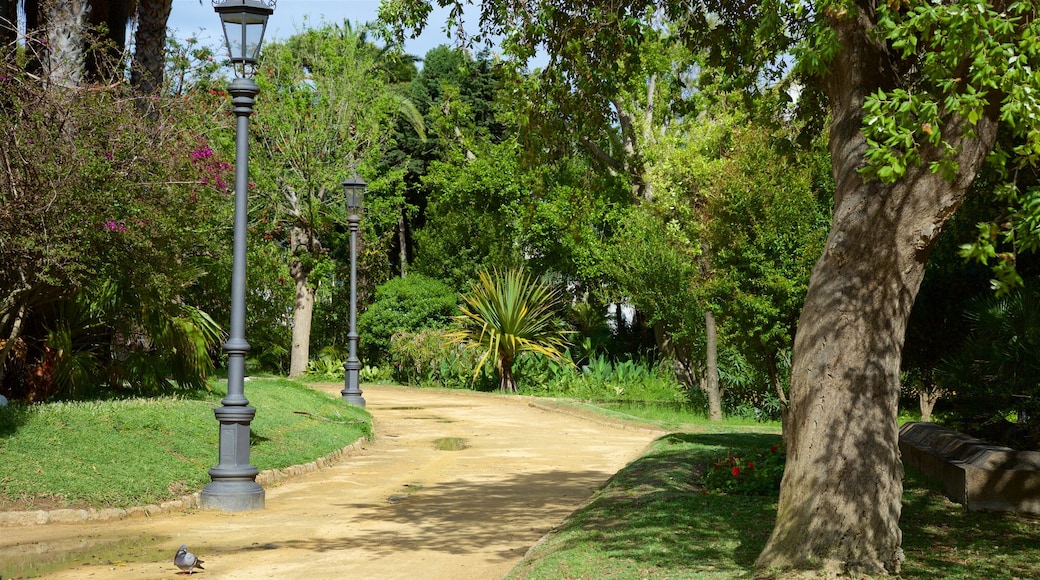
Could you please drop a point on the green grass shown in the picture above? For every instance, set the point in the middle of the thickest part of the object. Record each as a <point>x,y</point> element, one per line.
<point>140,451</point>
<point>654,520</point>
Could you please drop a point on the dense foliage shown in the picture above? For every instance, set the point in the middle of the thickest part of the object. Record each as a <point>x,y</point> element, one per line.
<point>404,305</point>
<point>110,225</point>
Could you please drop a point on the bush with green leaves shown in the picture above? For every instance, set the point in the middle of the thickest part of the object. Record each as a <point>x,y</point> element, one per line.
<point>426,359</point>
<point>749,473</point>
<point>601,380</point>
<point>111,222</point>
<point>409,304</point>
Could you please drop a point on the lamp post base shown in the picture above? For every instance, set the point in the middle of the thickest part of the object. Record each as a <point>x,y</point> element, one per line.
<point>354,399</point>
<point>232,496</point>
<point>351,392</point>
<point>234,487</point>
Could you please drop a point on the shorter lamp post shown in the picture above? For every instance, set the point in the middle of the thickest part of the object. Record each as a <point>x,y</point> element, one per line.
<point>233,486</point>
<point>354,191</point>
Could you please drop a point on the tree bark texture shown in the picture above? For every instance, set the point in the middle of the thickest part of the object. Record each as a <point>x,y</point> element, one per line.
<point>303,312</point>
<point>840,498</point>
<point>302,242</point>
<point>66,25</point>
<point>150,45</point>
<point>711,379</point>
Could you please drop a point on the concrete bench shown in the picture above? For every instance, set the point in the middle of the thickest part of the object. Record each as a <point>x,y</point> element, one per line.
<point>972,472</point>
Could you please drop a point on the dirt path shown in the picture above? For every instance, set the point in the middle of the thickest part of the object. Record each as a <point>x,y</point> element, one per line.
<point>456,485</point>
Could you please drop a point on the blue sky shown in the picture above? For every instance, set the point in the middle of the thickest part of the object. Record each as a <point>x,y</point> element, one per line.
<point>194,18</point>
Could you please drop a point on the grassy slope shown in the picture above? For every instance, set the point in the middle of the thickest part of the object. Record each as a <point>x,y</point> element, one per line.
<point>654,520</point>
<point>140,451</point>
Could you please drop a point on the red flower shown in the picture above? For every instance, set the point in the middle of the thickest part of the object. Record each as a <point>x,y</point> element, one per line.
<point>750,464</point>
<point>773,449</point>
<point>736,471</point>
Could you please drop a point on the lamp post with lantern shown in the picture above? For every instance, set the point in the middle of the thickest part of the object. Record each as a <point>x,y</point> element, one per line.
<point>233,486</point>
<point>354,191</point>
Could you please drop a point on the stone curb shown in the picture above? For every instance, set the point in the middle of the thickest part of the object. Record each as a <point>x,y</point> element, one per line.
<point>269,477</point>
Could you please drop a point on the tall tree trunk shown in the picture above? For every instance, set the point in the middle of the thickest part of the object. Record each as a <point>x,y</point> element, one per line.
<point>402,240</point>
<point>710,382</point>
<point>146,75</point>
<point>303,312</point>
<point>64,63</point>
<point>840,498</point>
<point>302,241</point>
<point>711,379</point>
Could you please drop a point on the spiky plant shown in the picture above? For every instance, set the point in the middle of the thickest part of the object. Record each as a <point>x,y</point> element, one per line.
<point>506,314</point>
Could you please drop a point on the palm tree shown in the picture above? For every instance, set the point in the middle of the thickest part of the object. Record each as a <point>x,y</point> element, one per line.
<point>507,314</point>
<point>150,42</point>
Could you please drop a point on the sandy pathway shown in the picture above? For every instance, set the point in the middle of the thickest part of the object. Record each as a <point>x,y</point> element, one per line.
<point>406,505</point>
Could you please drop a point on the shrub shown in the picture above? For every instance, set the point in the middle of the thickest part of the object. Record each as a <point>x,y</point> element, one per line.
<point>426,359</point>
<point>508,314</point>
<point>750,474</point>
<point>603,380</point>
<point>408,304</point>
<point>328,366</point>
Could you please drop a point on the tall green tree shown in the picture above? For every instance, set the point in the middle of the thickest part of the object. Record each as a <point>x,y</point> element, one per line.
<point>473,215</point>
<point>915,93</point>
<point>327,110</point>
<point>769,213</point>
<point>455,93</point>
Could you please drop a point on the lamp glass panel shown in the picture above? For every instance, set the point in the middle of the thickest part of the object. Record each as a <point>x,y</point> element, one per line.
<point>244,33</point>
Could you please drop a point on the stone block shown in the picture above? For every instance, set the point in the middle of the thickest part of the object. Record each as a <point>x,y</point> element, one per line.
<point>972,472</point>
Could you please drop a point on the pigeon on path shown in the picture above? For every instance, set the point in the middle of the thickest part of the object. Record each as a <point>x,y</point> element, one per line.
<point>187,561</point>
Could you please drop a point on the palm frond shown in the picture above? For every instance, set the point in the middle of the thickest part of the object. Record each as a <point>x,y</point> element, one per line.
<point>509,313</point>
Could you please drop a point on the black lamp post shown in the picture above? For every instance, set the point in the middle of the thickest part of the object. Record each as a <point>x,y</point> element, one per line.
<point>233,486</point>
<point>354,191</point>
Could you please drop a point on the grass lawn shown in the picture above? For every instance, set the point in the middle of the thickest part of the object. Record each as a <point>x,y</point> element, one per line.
<point>654,520</point>
<point>140,451</point>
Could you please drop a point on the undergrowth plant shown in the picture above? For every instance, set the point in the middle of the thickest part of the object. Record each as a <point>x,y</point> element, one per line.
<point>746,472</point>
<point>602,380</point>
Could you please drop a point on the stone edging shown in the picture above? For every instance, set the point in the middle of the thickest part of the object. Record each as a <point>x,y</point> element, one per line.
<point>267,477</point>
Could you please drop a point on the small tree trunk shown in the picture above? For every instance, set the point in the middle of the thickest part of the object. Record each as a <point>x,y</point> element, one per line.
<point>926,398</point>
<point>774,379</point>
<point>507,383</point>
<point>711,382</point>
